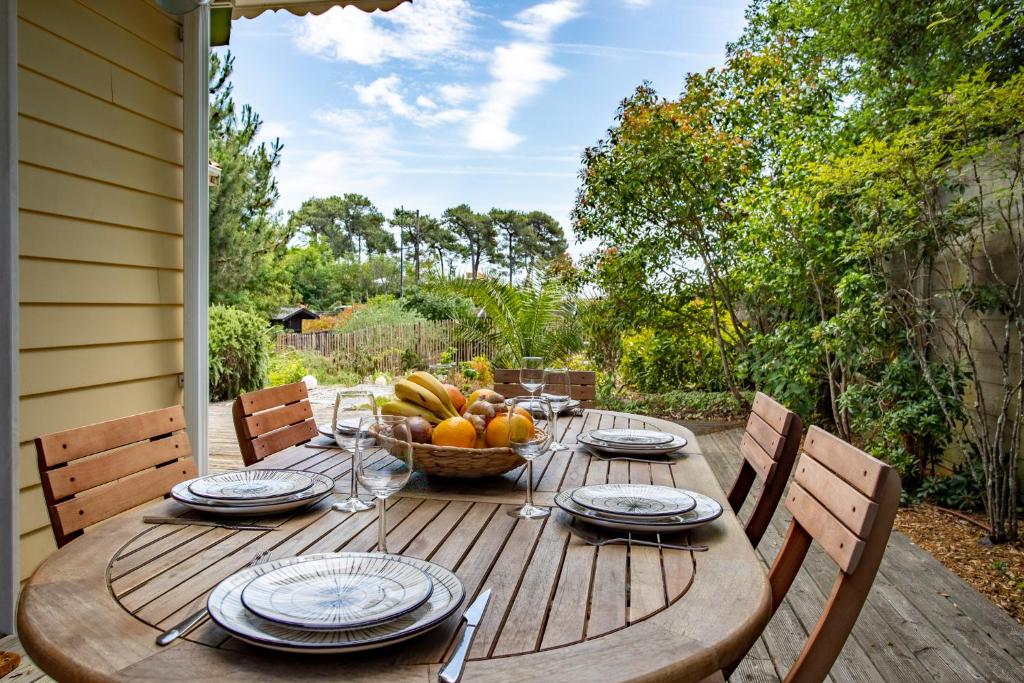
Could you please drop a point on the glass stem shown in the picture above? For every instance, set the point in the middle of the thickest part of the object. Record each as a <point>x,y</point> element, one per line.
<point>354,491</point>
<point>529,483</point>
<point>382,526</point>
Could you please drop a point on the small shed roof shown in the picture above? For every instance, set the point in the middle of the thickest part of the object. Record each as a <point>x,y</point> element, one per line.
<point>288,312</point>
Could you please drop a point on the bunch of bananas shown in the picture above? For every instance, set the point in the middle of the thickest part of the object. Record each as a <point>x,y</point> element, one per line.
<point>421,395</point>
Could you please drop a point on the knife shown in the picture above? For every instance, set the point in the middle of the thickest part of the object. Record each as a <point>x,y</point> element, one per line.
<point>452,671</point>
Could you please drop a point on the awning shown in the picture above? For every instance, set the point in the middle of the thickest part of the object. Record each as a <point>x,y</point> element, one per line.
<point>253,8</point>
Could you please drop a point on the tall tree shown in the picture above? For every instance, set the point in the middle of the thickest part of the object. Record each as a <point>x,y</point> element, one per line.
<point>547,239</point>
<point>244,232</point>
<point>475,231</point>
<point>420,234</point>
<point>512,238</point>
<point>349,223</point>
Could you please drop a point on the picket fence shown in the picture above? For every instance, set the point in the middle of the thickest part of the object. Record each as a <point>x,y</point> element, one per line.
<point>383,346</point>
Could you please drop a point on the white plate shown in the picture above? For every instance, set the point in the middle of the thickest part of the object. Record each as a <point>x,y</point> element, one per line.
<point>227,610</point>
<point>676,443</point>
<point>707,509</point>
<point>322,487</point>
<point>251,485</point>
<point>572,404</point>
<point>634,500</point>
<point>345,592</point>
<point>631,437</point>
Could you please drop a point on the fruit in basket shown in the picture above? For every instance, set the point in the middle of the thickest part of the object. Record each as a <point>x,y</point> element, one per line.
<point>483,409</point>
<point>420,429</point>
<point>409,409</point>
<point>501,429</point>
<point>485,395</point>
<point>455,431</point>
<point>479,424</point>
<point>519,410</point>
<point>434,386</point>
<point>423,397</point>
<point>458,400</point>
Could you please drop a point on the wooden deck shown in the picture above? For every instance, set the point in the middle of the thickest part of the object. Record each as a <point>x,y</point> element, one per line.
<point>921,622</point>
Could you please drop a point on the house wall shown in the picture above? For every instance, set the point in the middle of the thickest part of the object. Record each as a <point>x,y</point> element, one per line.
<point>100,208</point>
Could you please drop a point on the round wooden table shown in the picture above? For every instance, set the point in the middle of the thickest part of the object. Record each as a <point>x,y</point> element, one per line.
<point>560,609</point>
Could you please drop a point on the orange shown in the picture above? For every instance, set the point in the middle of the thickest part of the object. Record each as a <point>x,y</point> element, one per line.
<point>455,431</point>
<point>498,431</point>
<point>458,400</point>
<point>519,410</point>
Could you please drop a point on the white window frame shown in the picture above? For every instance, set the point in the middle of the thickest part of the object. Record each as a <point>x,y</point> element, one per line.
<point>196,103</point>
<point>9,454</point>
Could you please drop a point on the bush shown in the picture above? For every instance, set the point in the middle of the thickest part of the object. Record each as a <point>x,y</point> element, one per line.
<point>964,490</point>
<point>239,352</point>
<point>680,405</point>
<point>436,305</point>
<point>663,360</point>
<point>287,367</point>
<point>380,311</point>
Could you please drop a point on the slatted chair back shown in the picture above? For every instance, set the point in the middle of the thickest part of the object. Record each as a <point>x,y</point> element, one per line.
<point>92,473</point>
<point>769,447</point>
<point>845,500</point>
<point>581,385</point>
<point>271,420</point>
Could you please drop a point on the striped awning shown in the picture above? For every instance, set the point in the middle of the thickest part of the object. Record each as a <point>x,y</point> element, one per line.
<point>254,8</point>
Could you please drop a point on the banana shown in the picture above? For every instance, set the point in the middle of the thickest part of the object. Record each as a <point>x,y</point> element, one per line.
<point>431,383</point>
<point>414,393</point>
<point>407,409</point>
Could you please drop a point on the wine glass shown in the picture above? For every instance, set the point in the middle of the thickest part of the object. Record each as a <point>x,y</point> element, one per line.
<point>384,463</point>
<point>531,375</point>
<point>351,406</point>
<point>529,438</point>
<point>556,384</point>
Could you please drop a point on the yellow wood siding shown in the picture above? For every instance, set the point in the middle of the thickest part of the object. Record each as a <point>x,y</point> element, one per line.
<point>100,116</point>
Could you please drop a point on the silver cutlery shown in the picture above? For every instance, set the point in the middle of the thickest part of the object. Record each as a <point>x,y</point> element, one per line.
<point>452,671</point>
<point>596,539</point>
<point>668,460</point>
<point>154,519</point>
<point>189,623</point>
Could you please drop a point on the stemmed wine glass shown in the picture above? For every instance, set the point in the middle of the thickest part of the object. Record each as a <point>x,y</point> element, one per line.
<point>350,407</point>
<point>556,383</point>
<point>384,463</point>
<point>531,375</point>
<point>529,438</point>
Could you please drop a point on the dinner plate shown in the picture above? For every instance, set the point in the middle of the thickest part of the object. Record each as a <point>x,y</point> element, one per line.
<point>228,611</point>
<point>631,437</point>
<point>707,510</point>
<point>676,443</point>
<point>572,404</point>
<point>634,500</point>
<point>344,592</point>
<point>251,485</point>
<point>322,487</point>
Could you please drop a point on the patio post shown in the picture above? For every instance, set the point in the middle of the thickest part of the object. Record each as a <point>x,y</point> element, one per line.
<point>9,453</point>
<point>196,228</point>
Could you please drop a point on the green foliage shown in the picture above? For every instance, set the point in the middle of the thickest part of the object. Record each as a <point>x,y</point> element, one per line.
<point>381,311</point>
<point>287,367</point>
<point>475,233</point>
<point>351,225</point>
<point>963,490</point>
<point>436,304</point>
<point>239,352</point>
<point>537,318</point>
<point>681,405</point>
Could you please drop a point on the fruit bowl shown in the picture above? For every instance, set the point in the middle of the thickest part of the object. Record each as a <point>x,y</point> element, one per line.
<point>464,463</point>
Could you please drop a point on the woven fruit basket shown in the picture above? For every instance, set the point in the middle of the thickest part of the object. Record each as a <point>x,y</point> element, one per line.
<point>464,463</point>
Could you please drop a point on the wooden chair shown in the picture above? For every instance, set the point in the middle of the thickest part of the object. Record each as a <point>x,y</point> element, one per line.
<point>845,500</point>
<point>271,420</point>
<point>92,473</point>
<point>769,447</point>
<point>581,385</point>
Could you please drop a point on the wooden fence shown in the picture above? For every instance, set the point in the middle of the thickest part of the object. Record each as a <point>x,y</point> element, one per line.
<point>381,348</point>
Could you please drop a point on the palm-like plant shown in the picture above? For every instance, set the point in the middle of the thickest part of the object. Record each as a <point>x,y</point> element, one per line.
<point>537,318</point>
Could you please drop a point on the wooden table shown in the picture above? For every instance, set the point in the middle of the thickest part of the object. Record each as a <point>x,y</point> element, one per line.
<point>560,609</point>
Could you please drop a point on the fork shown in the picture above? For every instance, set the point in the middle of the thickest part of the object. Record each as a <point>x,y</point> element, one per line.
<point>189,623</point>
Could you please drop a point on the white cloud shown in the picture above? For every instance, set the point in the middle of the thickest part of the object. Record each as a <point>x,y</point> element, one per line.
<point>413,31</point>
<point>637,3</point>
<point>386,92</point>
<point>454,94</point>
<point>519,71</point>
<point>540,21</point>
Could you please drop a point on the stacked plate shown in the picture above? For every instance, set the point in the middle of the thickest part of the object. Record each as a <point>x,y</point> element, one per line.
<point>560,405</point>
<point>643,442</point>
<point>639,507</point>
<point>253,492</point>
<point>335,602</point>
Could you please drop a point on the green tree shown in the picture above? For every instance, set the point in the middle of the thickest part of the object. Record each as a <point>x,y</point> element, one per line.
<point>350,224</point>
<point>512,237</point>
<point>547,239</point>
<point>245,234</point>
<point>475,233</point>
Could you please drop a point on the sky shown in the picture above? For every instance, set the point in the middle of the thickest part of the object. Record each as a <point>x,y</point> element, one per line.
<point>444,102</point>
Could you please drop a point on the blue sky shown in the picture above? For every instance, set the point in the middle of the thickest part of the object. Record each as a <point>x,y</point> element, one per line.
<point>441,102</point>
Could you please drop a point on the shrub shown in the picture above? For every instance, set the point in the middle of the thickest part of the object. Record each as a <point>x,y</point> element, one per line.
<point>663,360</point>
<point>380,311</point>
<point>679,405</point>
<point>436,305</point>
<point>239,352</point>
<point>287,367</point>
